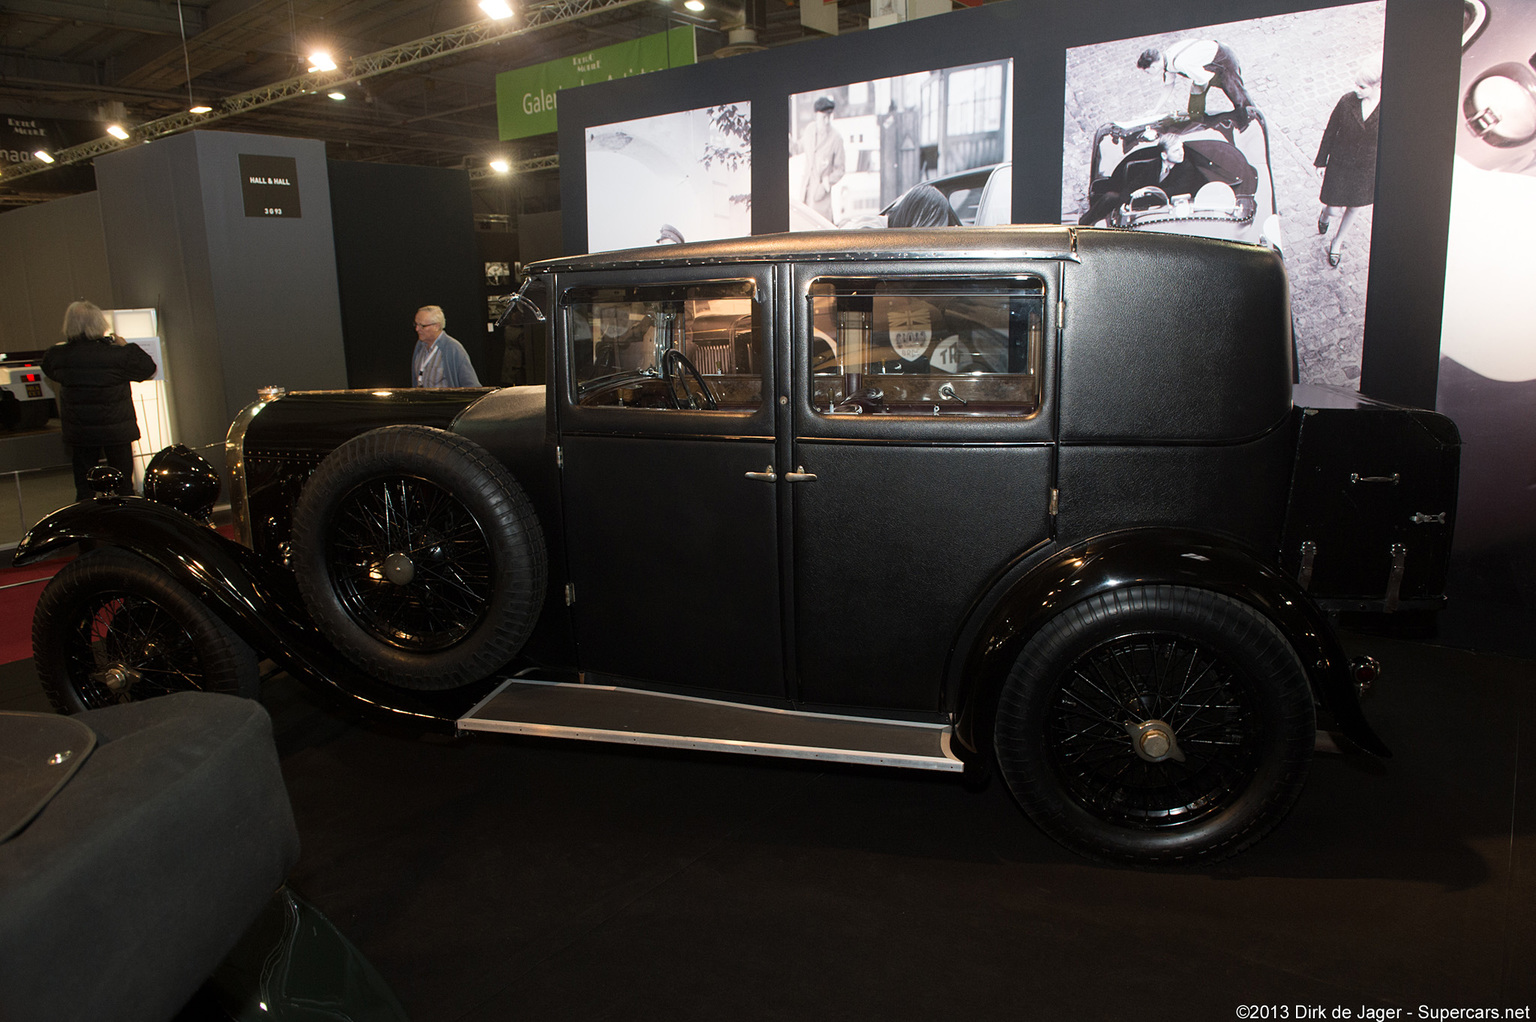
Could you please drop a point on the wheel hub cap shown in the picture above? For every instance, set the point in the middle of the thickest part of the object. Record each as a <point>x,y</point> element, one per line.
<point>399,569</point>
<point>1155,741</point>
<point>116,677</point>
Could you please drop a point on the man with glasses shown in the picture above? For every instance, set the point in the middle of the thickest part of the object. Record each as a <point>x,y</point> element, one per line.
<point>439,360</point>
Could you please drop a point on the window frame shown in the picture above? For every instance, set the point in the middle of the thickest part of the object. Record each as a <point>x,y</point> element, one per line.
<point>1035,427</point>
<point>618,420</point>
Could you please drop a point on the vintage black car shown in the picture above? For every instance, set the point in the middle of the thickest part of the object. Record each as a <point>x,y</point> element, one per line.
<point>934,499</point>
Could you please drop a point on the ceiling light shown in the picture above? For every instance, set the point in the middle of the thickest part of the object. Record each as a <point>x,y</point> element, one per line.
<point>497,9</point>
<point>338,96</point>
<point>201,108</point>
<point>321,61</point>
<point>501,166</point>
<point>694,5</point>
<point>44,155</point>
<point>116,131</point>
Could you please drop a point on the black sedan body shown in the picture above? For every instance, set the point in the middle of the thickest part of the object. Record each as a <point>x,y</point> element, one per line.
<point>956,485</point>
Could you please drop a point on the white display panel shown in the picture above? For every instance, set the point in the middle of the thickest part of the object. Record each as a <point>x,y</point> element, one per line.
<point>1296,69</point>
<point>151,397</point>
<point>684,176</point>
<point>856,149</point>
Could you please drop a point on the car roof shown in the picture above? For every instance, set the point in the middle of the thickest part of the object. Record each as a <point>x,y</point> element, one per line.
<point>1018,242</point>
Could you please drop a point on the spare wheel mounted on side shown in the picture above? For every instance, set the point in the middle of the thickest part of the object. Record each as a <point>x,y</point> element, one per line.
<point>419,557</point>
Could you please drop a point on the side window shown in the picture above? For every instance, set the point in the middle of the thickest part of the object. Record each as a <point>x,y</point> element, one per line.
<point>926,347</point>
<point>670,346</point>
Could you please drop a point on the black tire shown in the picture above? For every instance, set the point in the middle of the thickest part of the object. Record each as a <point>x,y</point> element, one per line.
<point>111,627</point>
<point>1093,685</point>
<point>444,588</point>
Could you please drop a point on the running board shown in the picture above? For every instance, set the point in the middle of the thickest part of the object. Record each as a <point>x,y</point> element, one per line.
<point>604,713</point>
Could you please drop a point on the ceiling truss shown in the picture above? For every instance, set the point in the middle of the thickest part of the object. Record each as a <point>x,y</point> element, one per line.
<point>417,52</point>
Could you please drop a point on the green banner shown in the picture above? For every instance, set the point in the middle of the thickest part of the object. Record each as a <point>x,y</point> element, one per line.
<point>525,98</point>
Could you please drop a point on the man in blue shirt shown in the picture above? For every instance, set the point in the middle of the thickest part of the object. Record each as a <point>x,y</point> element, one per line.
<point>439,360</point>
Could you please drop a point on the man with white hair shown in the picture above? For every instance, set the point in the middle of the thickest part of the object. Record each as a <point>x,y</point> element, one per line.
<point>439,360</point>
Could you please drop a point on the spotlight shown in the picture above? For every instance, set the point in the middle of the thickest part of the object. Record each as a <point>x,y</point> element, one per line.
<point>694,5</point>
<point>501,166</point>
<point>117,131</point>
<point>496,9</point>
<point>44,155</point>
<point>321,61</point>
<point>338,95</point>
<point>201,108</point>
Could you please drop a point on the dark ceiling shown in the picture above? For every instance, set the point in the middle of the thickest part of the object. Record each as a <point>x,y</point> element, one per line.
<point>74,60</point>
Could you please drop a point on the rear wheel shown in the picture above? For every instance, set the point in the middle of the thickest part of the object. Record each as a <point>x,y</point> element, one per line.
<point>1156,724</point>
<point>111,627</point>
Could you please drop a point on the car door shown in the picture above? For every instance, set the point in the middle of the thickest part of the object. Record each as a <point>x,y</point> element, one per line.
<point>923,460</point>
<point>672,544</point>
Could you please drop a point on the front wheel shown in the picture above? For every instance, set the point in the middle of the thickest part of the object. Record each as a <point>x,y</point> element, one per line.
<point>1156,724</point>
<point>111,627</point>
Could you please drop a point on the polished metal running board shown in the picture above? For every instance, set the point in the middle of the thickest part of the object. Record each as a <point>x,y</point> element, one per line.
<point>604,713</point>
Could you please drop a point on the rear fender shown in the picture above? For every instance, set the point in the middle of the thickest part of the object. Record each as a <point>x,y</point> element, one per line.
<point>255,596</point>
<point>1154,557</point>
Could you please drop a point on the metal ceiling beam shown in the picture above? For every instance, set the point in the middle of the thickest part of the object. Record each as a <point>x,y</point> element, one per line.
<point>520,167</point>
<point>419,51</point>
<point>149,16</point>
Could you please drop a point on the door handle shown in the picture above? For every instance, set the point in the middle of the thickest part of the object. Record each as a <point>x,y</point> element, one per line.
<point>766,476</point>
<point>799,475</point>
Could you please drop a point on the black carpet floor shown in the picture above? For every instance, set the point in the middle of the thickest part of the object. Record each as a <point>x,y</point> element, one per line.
<point>495,877</point>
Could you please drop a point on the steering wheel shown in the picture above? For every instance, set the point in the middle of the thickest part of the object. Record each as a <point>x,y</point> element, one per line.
<point>671,372</point>
<point>1144,200</point>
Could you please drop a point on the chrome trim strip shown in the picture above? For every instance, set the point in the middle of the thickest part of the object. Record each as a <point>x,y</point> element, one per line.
<point>234,466</point>
<point>945,761</point>
<point>722,745</point>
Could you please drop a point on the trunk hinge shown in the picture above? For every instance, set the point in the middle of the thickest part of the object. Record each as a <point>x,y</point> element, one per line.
<point>1055,499</point>
<point>559,456</point>
<point>570,593</point>
<point>1308,559</point>
<point>1395,578</point>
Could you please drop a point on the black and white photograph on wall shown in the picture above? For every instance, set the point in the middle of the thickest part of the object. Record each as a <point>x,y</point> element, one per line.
<point>1260,131</point>
<point>1487,341</point>
<point>924,149</point>
<point>684,176</point>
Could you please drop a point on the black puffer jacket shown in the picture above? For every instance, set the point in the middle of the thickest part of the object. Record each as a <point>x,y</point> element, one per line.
<point>95,403</point>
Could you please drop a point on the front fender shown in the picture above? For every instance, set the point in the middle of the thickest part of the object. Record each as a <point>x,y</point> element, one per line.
<point>1156,557</point>
<point>255,596</point>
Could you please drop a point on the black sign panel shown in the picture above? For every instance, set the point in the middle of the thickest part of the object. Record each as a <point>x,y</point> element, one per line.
<point>270,185</point>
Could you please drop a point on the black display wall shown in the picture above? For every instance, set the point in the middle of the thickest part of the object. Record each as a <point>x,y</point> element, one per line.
<point>404,238</point>
<point>1402,325</point>
<point>245,300</point>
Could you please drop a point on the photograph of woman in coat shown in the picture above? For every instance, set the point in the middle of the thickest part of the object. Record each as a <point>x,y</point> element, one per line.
<point>1347,156</point>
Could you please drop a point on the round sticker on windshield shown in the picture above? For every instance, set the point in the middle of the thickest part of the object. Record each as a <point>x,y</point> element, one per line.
<point>910,328</point>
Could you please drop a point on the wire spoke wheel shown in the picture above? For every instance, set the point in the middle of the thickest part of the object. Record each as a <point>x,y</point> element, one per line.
<point>410,563</point>
<point>419,557</point>
<point>1135,680</point>
<point>113,628</point>
<point>1156,724</point>
<point>129,648</point>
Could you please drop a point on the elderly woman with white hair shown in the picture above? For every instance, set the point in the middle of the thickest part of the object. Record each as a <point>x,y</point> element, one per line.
<point>93,370</point>
<point>1347,155</point>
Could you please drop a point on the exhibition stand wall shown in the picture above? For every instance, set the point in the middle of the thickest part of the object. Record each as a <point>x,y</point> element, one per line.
<point>404,238</point>
<point>229,236</point>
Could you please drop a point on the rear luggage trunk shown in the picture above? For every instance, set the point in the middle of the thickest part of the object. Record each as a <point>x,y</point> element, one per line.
<point>1373,502</point>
